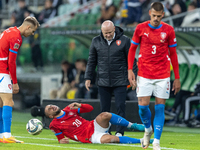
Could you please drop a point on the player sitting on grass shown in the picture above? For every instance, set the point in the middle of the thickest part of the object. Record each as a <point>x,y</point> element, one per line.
<point>68,124</point>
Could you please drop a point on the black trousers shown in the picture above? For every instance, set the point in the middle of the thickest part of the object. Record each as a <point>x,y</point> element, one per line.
<point>120,101</point>
<point>179,98</point>
<point>36,56</point>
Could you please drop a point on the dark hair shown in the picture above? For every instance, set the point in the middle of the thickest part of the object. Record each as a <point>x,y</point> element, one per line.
<point>65,62</point>
<point>37,111</point>
<point>84,61</point>
<point>157,6</point>
<point>51,1</point>
<point>194,4</point>
<point>32,20</point>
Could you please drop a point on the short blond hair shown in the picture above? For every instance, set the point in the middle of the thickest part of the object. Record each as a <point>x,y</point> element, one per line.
<point>32,20</point>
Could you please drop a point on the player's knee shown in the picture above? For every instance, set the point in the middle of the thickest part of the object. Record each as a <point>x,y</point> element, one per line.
<point>9,103</point>
<point>113,139</point>
<point>143,102</point>
<point>106,115</point>
<point>110,139</point>
<point>12,103</point>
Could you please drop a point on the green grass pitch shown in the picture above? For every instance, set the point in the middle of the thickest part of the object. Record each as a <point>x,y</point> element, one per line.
<point>172,139</point>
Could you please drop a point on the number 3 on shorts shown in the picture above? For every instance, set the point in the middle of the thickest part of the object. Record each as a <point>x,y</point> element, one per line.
<point>154,49</point>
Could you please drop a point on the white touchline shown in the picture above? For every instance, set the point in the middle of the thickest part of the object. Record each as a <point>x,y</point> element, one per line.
<point>36,138</point>
<point>140,146</point>
<point>57,146</point>
<point>93,149</point>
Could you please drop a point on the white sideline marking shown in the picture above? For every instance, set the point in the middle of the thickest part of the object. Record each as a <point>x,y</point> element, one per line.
<point>57,146</point>
<point>35,138</point>
<point>86,148</point>
<point>140,146</point>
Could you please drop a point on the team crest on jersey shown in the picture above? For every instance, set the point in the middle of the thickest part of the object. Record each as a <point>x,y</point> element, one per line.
<point>70,113</point>
<point>163,36</point>
<point>10,86</point>
<point>16,46</point>
<point>118,42</point>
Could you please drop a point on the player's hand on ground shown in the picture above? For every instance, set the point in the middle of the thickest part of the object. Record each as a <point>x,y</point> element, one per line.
<point>176,86</point>
<point>15,88</point>
<point>87,84</point>
<point>74,105</point>
<point>64,141</point>
<point>131,78</point>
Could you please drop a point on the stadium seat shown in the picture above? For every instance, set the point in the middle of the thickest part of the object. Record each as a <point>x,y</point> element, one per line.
<point>62,9</point>
<point>95,10</point>
<point>63,23</point>
<point>183,71</point>
<point>172,76</point>
<point>66,8</point>
<point>73,21</point>
<point>117,3</point>
<point>169,102</point>
<point>82,19</point>
<point>197,80</point>
<point>190,78</point>
<point>92,18</point>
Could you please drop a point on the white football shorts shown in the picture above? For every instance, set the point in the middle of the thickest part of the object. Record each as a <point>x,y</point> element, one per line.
<point>98,132</point>
<point>5,83</point>
<point>158,87</point>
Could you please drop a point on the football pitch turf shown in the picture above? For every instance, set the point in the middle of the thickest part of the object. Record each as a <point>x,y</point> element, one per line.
<point>173,138</point>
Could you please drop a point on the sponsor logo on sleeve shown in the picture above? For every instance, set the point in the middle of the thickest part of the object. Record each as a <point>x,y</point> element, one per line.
<point>16,46</point>
<point>174,39</point>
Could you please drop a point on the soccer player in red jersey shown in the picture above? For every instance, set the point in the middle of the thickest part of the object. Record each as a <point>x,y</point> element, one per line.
<point>10,42</point>
<point>68,124</point>
<point>157,48</point>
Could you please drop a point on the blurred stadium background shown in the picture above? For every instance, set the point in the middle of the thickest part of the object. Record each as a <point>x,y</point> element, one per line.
<point>66,34</point>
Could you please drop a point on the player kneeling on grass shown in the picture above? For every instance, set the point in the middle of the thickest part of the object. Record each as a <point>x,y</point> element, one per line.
<point>68,124</point>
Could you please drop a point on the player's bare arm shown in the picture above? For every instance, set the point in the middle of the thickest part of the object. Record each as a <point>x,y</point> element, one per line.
<point>64,141</point>
<point>131,57</point>
<point>174,60</point>
<point>74,105</point>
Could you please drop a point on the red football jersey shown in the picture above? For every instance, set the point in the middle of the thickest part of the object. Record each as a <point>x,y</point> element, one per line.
<point>10,42</point>
<point>154,60</point>
<point>73,126</point>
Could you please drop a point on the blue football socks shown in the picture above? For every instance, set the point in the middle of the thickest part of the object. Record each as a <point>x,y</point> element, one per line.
<point>145,115</point>
<point>159,120</point>
<point>7,118</point>
<point>128,140</point>
<point>1,123</point>
<point>118,120</point>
